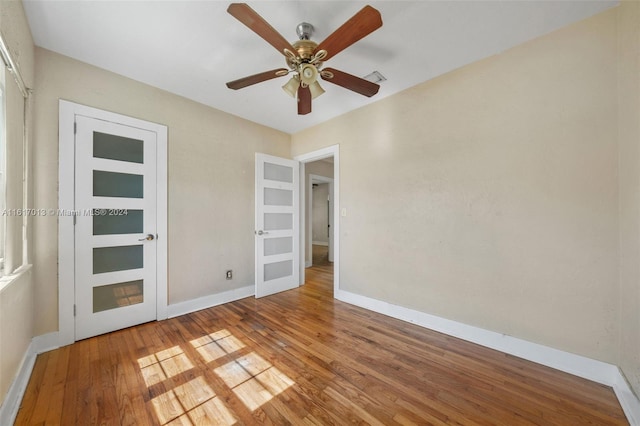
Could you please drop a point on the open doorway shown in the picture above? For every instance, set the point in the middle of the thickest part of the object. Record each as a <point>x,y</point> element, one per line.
<point>319,221</point>
<point>319,211</point>
<point>319,216</point>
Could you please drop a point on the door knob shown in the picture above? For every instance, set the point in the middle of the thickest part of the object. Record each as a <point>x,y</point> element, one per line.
<point>261,232</point>
<point>148,238</point>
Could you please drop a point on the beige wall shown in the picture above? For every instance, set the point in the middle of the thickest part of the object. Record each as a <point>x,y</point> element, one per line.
<point>496,199</point>
<point>211,178</point>
<point>629,157</point>
<point>16,298</point>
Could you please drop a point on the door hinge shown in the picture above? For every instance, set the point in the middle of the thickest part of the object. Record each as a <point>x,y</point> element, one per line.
<point>75,127</point>
<point>74,310</point>
<point>75,218</point>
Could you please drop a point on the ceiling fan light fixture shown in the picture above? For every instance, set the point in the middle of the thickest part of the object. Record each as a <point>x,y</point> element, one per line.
<point>316,90</point>
<point>308,74</point>
<point>292,86</point>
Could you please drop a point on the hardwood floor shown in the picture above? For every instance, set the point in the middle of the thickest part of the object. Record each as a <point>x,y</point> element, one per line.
<point>321,264</point>
<point>300,358</point>
<point>321,256</point>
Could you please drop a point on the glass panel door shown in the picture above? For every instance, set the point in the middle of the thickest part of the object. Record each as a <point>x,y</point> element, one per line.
<point>115,226</point>
<point>277,224</point>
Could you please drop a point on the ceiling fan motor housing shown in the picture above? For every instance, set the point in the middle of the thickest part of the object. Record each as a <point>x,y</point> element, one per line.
<point>305,48</point>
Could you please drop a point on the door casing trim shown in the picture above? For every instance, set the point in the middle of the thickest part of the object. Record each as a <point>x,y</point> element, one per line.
<point>66,183</point>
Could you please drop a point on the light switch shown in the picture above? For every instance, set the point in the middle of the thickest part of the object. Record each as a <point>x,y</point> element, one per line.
<point>343,212</point>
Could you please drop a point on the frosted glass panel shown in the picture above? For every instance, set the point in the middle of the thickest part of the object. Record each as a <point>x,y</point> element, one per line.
<point>278,197</point>
<point>276,270</point>
<point>278,245</point>
<point>112,184</point>
<point>276,221</point>
<point>278,172</point>
<point>114,147</point>
<point>107,222</point>
<point>121,258</point>
<point>113,296</point>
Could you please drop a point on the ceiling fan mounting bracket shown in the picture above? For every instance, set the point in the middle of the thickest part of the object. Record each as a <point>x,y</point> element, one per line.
<point>304,30</point>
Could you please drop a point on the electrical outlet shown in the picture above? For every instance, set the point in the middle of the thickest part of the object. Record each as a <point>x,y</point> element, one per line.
<point>229,274</point>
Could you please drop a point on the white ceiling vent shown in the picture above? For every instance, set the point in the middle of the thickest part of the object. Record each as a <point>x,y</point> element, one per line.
<point>375,77</point>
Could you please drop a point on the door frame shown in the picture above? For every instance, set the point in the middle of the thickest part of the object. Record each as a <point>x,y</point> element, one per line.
<point>319,179</point>
<point>330,151</point>
<point>66,205</point>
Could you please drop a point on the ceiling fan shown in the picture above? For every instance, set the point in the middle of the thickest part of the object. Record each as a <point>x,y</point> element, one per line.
<point>305,57</point>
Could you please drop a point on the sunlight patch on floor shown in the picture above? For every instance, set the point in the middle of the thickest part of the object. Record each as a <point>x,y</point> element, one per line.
<point>193,403</point>
<point>254,381</point>
<point>164,364</point>
<point>216,345</point>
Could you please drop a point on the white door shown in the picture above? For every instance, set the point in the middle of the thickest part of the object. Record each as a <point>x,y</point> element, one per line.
<point>277,224</point>
<point>115,230</point>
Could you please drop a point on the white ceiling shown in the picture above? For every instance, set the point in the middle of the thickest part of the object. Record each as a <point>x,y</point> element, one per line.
<point>191,48</point>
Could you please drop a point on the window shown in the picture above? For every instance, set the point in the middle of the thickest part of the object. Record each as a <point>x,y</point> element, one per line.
<point>14,215</point>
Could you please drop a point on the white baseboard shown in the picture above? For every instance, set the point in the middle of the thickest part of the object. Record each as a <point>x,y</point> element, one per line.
<point>628,400</point>
<point>11,403</point>
<point>46,342</point>
<point>597,371</point>
<point>188,306</point>
<point>308,264</point>
<point>320,243</point>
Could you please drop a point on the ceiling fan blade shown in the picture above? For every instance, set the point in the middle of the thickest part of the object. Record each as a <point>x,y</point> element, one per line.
<point>304,100</point>
<point>360,25</point>
<point>351,82</point>
<point>243,13</point>
<point>256,78</point>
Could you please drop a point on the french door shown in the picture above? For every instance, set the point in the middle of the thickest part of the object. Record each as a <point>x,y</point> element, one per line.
<point>277,225</point>
<point>115,226</point>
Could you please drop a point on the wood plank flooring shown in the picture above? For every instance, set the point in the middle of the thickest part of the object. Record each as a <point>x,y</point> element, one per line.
<point>300,358</point>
